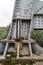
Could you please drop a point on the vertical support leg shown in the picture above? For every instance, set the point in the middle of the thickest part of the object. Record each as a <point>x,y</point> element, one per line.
<point>18,50</point>
<point>30,49</point>
<point>18,28</point>
<point>5,49</point>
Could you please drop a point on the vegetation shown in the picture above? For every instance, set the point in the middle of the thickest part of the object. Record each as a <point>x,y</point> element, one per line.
<point>4,32</point>
<point>14,62</point>
<point>38,36</point>
<point>8,61</point>
<point>13,54</point>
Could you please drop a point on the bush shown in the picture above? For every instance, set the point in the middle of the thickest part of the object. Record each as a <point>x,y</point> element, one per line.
<point>38,36</point>
<point>7,61</point>
<point>15,62</point>
<point>23,62</point>
<point>31,62</point>
<point>4,32</point>
<point>13,54</point>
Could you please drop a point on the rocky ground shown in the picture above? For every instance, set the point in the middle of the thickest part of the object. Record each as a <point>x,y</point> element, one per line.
<point>38,63</point>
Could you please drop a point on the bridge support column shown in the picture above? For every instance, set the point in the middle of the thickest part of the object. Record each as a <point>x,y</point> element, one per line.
<point>5,49</point>
<point>18,50</point>
<point>18,28</point>
<point>30,49</point>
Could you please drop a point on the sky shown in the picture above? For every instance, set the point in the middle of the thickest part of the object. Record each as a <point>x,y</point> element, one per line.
<point>41,0</point>
<point>6,12</point>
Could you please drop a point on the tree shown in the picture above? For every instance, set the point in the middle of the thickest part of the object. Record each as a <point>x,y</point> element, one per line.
<point>4,32</point>
<point>38,36</point>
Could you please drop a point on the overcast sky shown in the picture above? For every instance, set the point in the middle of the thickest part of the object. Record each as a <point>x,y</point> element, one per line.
<point>6,11</point>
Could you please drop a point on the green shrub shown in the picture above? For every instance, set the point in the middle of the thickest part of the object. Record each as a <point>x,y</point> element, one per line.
<point>30,62</point>
<point>23,62</point>
<point>13,54</point>
<point>15,62</point>
<point>7,61</point>
<point>38,36</point>
<point>4,32</point>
